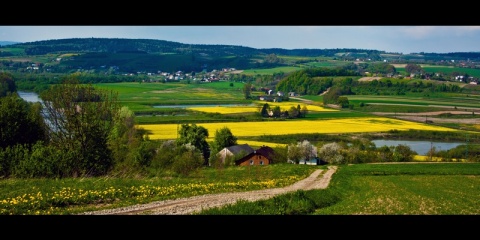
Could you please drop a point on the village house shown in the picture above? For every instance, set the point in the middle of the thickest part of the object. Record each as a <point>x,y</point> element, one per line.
<point>262,156</point>
<point>234,151</point>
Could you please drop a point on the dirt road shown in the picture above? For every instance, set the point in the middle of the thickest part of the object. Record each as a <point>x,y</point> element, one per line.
<point>185,206</point>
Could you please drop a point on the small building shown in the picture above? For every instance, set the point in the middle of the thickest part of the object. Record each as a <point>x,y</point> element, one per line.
<point>313,161</point>
<point>262,156</point>
<point>235,150</point>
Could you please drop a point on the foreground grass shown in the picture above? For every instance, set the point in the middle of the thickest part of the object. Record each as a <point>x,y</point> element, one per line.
<point>71,196</point>
<point>378,189</point>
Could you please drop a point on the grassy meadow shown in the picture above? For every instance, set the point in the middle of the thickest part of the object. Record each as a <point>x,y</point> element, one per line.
<point>359,189</point>
<point>439,101</point>
<point>443,69</point>
<point>378,189</point>
<point>142,97</point>
<point>270,71</point>
<point>72,196</point>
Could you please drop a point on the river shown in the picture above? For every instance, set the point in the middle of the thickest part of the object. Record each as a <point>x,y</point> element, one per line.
<point>421,147</point>
<point>29,96</point>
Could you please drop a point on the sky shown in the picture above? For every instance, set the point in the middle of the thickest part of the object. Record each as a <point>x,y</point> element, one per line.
<point>396,39</point>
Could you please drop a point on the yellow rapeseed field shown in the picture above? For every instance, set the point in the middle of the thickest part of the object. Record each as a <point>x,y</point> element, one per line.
<point>284,106</point>
<point>259,144</point>
<point>347,125</point>
<point>422,158</point>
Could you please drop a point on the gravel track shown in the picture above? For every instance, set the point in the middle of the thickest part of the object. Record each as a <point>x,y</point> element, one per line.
<point>186,206</point>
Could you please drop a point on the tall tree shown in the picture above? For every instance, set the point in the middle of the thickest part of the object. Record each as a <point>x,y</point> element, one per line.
<point>293,112</point>
<point>308,150</point>
<point>247,90</point>
<point>277,112</point>
<point>301,151</point>
<point>21,122</point>
<point>195,136</point>
<point>80,120</point>
<point>304,111</point>
<point>265,109</point>
<point>7,84</point>
<point>332,153</point>
<point>294,153</point>
<point>413,68</point>
<point>223,138</point>
<point>131,149</point>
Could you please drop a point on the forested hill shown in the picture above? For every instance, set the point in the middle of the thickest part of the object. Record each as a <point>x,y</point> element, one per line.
<point>149,55</point>
<point>117,45</point>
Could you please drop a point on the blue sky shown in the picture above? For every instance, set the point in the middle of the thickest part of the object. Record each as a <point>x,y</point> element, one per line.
<point>400,39</point>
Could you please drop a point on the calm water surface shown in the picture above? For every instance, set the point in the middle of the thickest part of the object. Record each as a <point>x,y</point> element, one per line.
<point>421,147</point>
<point>29,96</point>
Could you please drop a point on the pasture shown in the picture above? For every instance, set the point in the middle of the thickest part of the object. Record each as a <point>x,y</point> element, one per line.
<point>444,101</point>
<point>144,96</point>
<point>270,71</point>
<point>442,69</point>
<point>378,189</point>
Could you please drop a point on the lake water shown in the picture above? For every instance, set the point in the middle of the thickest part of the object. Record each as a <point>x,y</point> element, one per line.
<point>421,147</point>
<point>29,96</point>
<point>202,105</point>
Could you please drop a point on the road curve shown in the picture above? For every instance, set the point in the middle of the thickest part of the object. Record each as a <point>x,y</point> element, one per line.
<point>190,205</point>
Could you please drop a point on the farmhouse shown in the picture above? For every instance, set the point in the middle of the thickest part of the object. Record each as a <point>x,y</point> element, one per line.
<point>261,156</point>
<point>235,150</point>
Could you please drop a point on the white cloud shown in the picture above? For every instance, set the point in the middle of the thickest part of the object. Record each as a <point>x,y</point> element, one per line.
<point>422,32</point>
<point>418,32</point>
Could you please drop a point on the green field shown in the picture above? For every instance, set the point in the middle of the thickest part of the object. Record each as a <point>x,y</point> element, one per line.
<point>399,189</point>
<point>141,97</point>
<point>326,64</point>
<point>74,195</point>
<point>443,102</point>
<point>447,70</point>
<point>270,71</point>
<point>14,51</point>
<point>359,189</point>
<point>379,189</point>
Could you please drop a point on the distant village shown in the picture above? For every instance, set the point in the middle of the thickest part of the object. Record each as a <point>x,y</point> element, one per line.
<point>204,76</point>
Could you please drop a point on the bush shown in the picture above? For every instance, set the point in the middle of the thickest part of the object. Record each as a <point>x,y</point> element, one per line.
<point>44,161</point>
<point>188,162</point>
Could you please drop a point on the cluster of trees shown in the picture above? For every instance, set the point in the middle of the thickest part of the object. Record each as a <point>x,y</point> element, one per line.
<point>398,87</point>
<point>7,84</point>
<point>413,68</point>
<point>313,81</point>
<point>276,111</point>
<point>360,151</point>
<point>381,68</point>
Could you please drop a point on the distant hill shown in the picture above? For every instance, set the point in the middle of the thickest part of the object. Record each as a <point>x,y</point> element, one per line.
<point>118,45</point>
<point>149,55</point>
<point>5,43</point>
